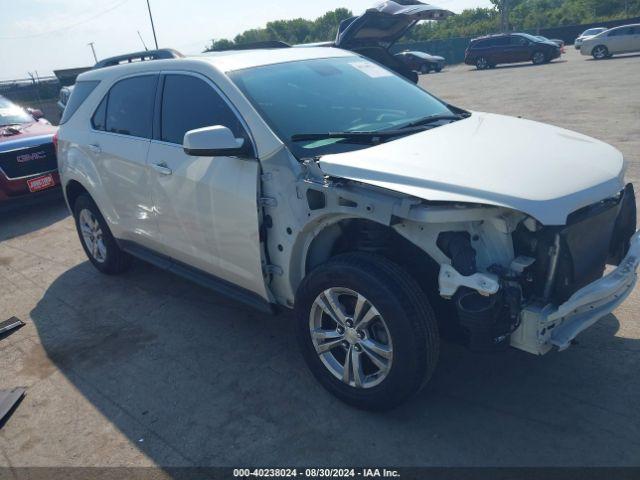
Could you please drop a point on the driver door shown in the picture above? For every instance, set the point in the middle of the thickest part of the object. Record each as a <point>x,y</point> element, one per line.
<point>206,206</point>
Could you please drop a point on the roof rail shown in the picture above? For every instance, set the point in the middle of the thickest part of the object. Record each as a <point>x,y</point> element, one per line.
<point>259,45</point>
<point>145,55</point>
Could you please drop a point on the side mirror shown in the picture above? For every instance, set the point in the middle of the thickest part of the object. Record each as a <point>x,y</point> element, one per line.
<point>35,113</point>
<point>216,141</point>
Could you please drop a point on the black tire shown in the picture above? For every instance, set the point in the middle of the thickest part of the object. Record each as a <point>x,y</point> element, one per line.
<point>424,68</point>
<point>402,305</point>
<point>438,69</point>
<point>538,58</point>
<point>600,52</point>
<point>115,260</point>
<point>482,63</point>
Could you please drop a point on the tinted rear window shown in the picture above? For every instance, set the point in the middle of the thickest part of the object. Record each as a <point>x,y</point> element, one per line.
<point>80,93</point>
<point>130,106</point>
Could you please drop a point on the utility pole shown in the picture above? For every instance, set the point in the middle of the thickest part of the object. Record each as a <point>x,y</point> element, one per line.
<point>504,19</point>
<point>155,39</point>
<point>95,57</point>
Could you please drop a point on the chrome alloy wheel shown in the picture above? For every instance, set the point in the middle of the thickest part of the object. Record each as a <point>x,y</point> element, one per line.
<point>351,337</point>
<point>600,52</point>
<point>92,235</point>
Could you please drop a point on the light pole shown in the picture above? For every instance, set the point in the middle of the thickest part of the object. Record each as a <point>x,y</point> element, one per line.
<point>155,39</point>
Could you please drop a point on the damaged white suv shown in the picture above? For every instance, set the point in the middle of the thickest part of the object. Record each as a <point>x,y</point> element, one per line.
<point>318,180</point>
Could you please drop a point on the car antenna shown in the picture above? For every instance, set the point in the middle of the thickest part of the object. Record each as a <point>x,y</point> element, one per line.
<point>143,44</point>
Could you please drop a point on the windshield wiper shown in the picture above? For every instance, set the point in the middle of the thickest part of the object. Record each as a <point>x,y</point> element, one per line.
<point>369,136</point>
<point>433,119</point>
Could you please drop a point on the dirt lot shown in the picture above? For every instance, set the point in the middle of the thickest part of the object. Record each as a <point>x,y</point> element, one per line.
<point>148,369</point>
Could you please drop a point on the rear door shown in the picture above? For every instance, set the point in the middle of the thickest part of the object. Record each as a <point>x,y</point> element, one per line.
<point>120,139</point>
<point>207,206</point>
<point>619,40</point>
<point>499,51</point>
<point>634,39</point>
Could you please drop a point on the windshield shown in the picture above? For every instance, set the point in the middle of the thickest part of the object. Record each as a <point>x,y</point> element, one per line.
<point>11,114</point>
<point>533,38</point>
<point>593,31</point>
<point>345,94</point>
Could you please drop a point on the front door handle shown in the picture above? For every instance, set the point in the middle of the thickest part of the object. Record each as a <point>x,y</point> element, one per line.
<point>162,168</point>
<point>95,148</point>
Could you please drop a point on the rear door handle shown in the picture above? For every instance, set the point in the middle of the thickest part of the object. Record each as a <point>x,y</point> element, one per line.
<point>162,168</point>
<point>95,148</point>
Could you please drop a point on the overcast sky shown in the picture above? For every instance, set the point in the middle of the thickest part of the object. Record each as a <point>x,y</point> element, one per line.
<point>43,35</point>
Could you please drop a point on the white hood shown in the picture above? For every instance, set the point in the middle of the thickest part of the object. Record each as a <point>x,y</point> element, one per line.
<point>544,171</point>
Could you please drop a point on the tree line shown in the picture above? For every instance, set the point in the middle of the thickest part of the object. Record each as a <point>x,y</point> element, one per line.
<point>521,15</point>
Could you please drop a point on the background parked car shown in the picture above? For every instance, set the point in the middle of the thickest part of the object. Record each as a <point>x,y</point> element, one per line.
<point>489,51</point>
<point>421,62</point>
<point>375,31</point>
<point>28,164</point>
<point>625,39</point>
<point>592,32</point>
<point>557,41</point>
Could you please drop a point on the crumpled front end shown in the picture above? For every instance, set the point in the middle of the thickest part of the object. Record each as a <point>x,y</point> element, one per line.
<point>542,327</point>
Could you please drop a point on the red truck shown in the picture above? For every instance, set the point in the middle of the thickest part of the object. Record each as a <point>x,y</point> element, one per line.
<point>28,164</point>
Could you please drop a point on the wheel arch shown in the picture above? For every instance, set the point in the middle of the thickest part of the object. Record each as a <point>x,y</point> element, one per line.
<point>338,234</point>
<point>72,190</point>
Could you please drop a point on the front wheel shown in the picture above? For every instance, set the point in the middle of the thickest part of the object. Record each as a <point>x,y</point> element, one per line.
<point>482,63</point>
<point>424,68</point>
<point>600,52</point>
<point>366,330</point>
<point>539,58</point>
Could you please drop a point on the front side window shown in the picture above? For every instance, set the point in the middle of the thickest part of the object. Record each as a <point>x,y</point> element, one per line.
<point>130,106</point>
<point>333,95</point>
<point>189,103</point>
<point>518,40</point>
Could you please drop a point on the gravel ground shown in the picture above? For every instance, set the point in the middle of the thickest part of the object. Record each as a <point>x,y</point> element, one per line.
<point>148,369</point>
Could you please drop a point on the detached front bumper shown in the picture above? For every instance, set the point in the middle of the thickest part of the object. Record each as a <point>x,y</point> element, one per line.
<point>543,327</point>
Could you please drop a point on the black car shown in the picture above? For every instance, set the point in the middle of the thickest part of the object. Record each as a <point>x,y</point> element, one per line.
<point>487,52</point>
<point>420,61</point>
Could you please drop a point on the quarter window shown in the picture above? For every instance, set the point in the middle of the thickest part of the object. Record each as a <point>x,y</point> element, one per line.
<point>130,106</point>
<point>189,103</point>
<point>80,93</point>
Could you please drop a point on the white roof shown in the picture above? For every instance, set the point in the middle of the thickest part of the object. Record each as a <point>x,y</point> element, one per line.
<point>239,59</point>
<point>226,61</point>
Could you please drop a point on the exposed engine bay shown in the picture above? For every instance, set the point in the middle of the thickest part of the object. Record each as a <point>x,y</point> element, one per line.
<point>550,265</point>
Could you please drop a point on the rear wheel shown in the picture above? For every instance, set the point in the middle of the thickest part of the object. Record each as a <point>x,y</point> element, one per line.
<point>539,58</point>
<point>424,68</point>
<point>438,68</point>
<point>96,238</point>
<point>482,63</point>
<point>366,330</point>
<point>600,52</point>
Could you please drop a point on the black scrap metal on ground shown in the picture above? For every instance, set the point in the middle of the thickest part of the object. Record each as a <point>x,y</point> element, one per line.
<point>7,325</point>
<point>8,401</point>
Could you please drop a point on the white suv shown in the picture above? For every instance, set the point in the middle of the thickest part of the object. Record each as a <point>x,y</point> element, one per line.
<point>318,180</point>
